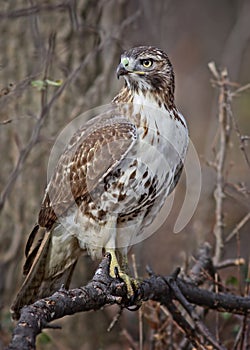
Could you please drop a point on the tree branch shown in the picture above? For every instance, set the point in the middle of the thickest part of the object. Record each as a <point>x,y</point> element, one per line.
<point>104,290</point>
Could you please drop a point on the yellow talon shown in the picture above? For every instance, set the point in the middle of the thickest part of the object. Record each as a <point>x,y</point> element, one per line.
<point>114,266</point>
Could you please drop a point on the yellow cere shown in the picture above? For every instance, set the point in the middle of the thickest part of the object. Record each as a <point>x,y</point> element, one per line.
<point>125,61</point>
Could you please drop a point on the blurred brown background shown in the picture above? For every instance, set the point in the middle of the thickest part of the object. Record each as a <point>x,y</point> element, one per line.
<point>193,33</point>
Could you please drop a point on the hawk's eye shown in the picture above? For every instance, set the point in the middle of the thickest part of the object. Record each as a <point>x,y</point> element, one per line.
<point>147,62</point>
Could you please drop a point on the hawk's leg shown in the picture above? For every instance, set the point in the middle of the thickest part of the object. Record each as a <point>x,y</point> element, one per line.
<point>122,270</point>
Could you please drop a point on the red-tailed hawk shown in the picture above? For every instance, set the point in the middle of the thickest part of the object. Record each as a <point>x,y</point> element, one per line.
<point>112,178</point>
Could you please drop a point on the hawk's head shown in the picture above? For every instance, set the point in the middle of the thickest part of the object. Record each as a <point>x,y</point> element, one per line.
<point>147,68</point>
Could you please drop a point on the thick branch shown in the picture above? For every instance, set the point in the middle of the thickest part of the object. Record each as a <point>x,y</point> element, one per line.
<point>105,290</point>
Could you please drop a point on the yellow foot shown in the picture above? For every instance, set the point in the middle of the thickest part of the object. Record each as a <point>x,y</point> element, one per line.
<point>117,272</point>
<point>130,282</point>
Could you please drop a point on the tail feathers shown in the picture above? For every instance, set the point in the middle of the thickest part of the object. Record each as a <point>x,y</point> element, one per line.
<point>31,238</point>
<point>52,284</point>
<point>30,287</point>
<point>36,284</point>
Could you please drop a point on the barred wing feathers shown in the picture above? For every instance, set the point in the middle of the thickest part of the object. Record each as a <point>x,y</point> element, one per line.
<point>91,154</point>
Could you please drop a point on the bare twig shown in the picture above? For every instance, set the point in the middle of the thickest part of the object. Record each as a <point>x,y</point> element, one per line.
<point>224,135</point>
<point>240,90</point>
<point>129,339</point>
<point>24,153</point>
<point>35,136</point>
<point>230,262</point>
<point>226,123</point>
<point>200,328</point>
<point>7,121</point>
<point>241,138</point>
<point>203,267</point>
<point>237,228</point>
<point>240,192</point>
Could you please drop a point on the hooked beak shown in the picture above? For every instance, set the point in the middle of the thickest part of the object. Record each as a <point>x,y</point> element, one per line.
<point>121,70</point>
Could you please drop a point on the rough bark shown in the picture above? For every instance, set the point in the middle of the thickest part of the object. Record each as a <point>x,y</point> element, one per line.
<point>104,290</point>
